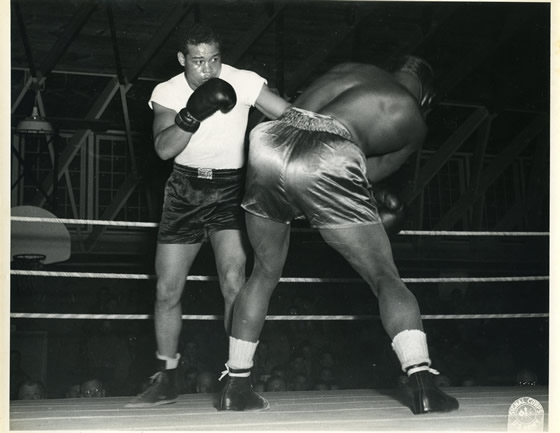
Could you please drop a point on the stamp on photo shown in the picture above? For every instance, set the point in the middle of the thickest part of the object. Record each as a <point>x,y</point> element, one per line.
<point>526,414</point>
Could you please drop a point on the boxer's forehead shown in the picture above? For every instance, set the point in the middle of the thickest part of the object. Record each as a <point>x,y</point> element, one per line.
<point>203,51</point>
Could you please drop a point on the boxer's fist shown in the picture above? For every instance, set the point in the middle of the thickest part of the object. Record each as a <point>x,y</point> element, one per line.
<point>211,96</point>
<point>390,208</point>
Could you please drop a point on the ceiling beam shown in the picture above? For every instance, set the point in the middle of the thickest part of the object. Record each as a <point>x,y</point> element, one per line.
<point>70,32</point>
<point>334,37</point>
<point>443,154</point>
<point>57,51</point>
<point>123,193</point>
<point>262,23</point>
<point>493,171</point>
<point>174,18</point>
<point>479,155</point>
<point>467,62</point>
<point>535,194</point>
<point>122,86</point>
<point>25,82</point>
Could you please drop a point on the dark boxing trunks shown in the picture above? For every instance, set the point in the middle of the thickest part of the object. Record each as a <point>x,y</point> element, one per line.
<point>199,202</point>
<point>304,164</point>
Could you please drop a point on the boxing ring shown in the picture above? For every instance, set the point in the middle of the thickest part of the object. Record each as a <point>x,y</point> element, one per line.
<point>481,408</point>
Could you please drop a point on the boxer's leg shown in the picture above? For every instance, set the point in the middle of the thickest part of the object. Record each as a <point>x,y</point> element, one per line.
<point>270,242</point>
<point>367,249</point>
<point>173,263</point>
<point>229,248</point>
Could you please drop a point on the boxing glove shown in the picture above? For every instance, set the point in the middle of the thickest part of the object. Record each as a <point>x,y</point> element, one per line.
<point>390,208</point>
<point>211,96</point>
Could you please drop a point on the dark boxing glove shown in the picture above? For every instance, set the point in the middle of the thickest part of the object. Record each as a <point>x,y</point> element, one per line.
<point>390,208</point>
<point>211,96</point>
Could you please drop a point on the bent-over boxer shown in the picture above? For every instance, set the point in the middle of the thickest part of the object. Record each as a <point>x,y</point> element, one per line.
<point>323,159</point>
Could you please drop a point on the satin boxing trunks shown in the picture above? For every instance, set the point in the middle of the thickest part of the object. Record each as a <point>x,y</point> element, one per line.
<point>199,202</point>
<point>305,164</point>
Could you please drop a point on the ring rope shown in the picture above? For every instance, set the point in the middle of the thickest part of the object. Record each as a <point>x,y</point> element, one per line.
<point>282,280</point>
<point>84,221</point>
<point>148,224</point>
<point>273,317</point>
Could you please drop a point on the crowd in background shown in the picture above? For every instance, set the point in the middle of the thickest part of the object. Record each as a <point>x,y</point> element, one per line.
<point>116,358</point>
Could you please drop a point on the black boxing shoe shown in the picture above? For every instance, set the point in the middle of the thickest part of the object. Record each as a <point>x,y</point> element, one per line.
<point>425,397</point>
<point>238,393</point>
<point>162,390</point>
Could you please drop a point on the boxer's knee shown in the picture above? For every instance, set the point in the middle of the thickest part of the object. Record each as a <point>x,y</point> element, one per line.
<point>268,271</point>
<point>232,279</point>
<point>168,293</point>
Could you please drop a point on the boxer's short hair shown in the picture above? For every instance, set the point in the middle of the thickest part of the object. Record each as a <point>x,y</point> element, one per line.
<point>197,34</point>
<point>423,72</point>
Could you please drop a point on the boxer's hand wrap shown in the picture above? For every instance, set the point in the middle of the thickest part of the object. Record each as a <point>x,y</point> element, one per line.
<point>186,122</point>
<point>211,96</point>
<point>390,208</point>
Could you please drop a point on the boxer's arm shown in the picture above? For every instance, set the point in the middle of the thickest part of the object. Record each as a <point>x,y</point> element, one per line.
<point>382,166</point>
<point>271,104</point>
<point>169,139</point>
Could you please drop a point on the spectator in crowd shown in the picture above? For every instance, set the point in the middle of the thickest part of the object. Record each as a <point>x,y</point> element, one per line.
<point>299,382</point>
<point>326,359</point>
<point>326,376</point>
<point>526,377</point>
<point>190,355</point>
<point>279,371</point>
<point>276,384</point>
<point>206,382</point>
<point>188,383</point>
<point>92,388</point>
<point>308,353</point>
<point>297,367</point>
<point>107,351</point>
<point>32,390</point>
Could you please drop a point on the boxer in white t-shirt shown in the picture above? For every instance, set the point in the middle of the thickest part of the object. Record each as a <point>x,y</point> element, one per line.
<point>200,120</point>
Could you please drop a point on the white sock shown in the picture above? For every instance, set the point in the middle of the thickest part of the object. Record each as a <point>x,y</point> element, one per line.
<point>170,363</point>
<point>241,353</point>
<point>411,348</point>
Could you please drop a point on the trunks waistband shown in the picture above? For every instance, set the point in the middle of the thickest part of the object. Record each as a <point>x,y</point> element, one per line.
<point>310,121</point>
<point>206,173</point>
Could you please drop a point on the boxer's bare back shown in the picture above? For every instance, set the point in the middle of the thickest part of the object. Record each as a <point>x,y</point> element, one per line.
<point>382,115</point>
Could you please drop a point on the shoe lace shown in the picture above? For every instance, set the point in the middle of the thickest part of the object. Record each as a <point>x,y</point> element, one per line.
<point>228,372</point>
<point>224,373</point>
<point>422,368</point>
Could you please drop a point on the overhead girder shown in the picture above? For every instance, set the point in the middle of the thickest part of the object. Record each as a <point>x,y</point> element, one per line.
<point>430,169</point>
<point>38,73</point>
<point>469,61</point>
<point>500,163</point>
<point>532,203</point>
<point>175,16</point>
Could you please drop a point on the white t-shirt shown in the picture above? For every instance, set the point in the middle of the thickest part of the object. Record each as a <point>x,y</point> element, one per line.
<point>219,142</point>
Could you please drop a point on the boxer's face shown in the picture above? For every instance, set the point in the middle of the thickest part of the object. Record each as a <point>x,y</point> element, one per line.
<point>201,62</point>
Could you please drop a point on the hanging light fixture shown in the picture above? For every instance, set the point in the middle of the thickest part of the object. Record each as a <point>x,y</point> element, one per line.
<point>35,124</point>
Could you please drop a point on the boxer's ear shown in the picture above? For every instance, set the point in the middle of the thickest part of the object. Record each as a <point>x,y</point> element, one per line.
<point>181,58</point>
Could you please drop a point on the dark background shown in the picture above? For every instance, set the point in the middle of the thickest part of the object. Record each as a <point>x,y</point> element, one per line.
<point>91,66</point>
